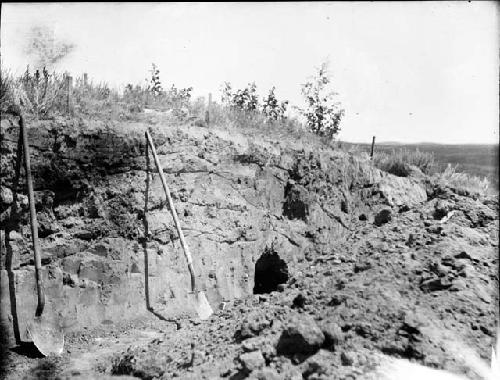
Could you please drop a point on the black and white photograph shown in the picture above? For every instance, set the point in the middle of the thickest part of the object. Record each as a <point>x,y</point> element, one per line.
<point>249,190</point>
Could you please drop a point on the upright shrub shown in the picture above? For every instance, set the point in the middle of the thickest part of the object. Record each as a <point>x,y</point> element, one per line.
<point>154,82</point>
<point>6,90</point>
<point>41,92</point>
<point>178,99</point>
<point>273,109</point>
<point>245,99</point>
<point>322,113</point>
<point>227,94</point>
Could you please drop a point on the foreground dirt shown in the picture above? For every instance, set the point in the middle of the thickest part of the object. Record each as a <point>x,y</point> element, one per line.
<point>408,283</point>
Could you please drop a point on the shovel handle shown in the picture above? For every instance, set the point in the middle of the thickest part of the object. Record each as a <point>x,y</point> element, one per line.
<point>34,222</point>
<point>185,247</point>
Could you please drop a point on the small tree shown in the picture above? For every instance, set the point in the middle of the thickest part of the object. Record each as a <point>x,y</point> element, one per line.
<point>154,83</point>
<point>323,114</point>
<point>179,100</point>
<point>39,91</point>
<point>273,109</point>
<point>243,99</point>
<point>227,95</point>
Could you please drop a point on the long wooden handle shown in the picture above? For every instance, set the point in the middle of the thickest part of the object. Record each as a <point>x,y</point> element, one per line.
<point>185,247</point>
<point>34,222</point>
<point>146,231</point>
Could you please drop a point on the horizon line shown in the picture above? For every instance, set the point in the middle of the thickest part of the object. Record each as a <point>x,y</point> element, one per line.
<point>416,143</point>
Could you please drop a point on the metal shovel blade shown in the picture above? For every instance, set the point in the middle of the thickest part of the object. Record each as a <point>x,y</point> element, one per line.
<point>46,336</point>
<point>201,305</point>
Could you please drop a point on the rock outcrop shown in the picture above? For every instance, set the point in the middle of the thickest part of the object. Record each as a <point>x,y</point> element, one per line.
<point>238,199</point>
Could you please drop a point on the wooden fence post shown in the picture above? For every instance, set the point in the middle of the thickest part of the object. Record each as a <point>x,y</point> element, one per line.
<point>69,86</point>
<point>85,79</point>
<point>209,106</point>
<point>373,145</point>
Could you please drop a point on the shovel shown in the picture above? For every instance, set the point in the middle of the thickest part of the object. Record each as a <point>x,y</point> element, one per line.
<point>46,335</point>
<point>199,299</point>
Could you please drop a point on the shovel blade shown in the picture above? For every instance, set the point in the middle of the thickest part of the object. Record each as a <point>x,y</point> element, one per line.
<point>201,305</point>
<point>47,337</point>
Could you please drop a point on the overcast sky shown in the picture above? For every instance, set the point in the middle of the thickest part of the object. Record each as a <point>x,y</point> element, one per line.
<point>408,72</point>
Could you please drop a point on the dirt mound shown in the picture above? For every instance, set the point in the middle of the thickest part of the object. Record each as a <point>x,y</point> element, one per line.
<point>383,291</point>
<point>346,262</point>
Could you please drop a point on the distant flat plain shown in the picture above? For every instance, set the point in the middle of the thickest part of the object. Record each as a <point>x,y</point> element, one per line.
<point>478,160</point>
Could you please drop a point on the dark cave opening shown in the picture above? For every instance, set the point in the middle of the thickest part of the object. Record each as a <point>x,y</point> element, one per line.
<point>270,271</point>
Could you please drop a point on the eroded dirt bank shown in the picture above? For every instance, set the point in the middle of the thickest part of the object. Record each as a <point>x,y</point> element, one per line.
<point>347,260</point>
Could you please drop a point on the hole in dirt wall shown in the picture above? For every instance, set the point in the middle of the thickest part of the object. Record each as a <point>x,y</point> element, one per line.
<point>270,271</point>
<point>294,206</point>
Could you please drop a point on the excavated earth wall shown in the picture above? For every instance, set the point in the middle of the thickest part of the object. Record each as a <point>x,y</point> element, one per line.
<point>244,203</point>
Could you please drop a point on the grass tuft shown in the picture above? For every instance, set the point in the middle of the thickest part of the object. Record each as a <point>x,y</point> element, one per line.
<point>400,162</point>
<point>464,182</point>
